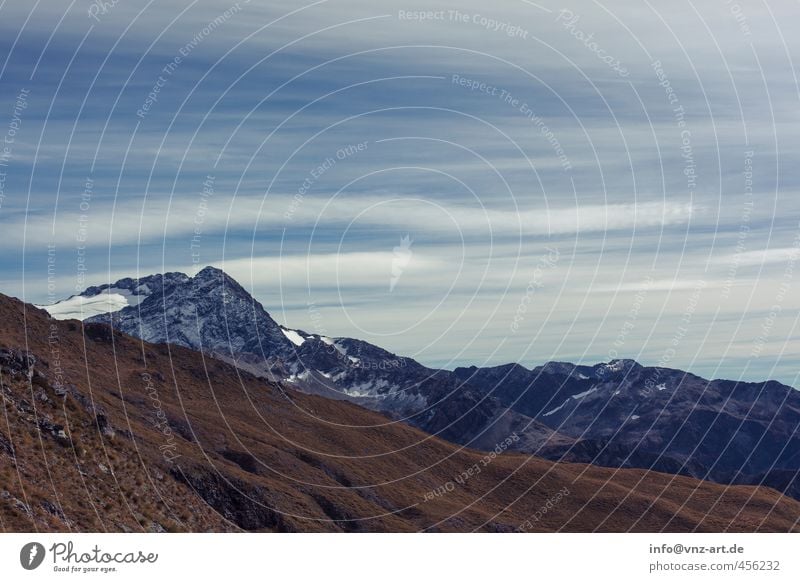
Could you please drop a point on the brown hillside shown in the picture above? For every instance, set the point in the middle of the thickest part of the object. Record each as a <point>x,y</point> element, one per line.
<point>101,432</point>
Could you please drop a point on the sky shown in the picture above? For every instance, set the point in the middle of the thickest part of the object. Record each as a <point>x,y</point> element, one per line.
<point>458,182</point>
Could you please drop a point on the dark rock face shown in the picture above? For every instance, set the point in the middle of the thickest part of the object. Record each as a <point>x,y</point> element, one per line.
<point>246,461</point>
<point>245,505</point>
<point>98,332</point>
<point>617,414</point>
<point>626,415</point>
<point>209,312</point>
<point>5,446</point>
<point>17,363</point>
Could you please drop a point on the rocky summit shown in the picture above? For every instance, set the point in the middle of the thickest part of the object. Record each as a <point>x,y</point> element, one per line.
<point>614,414</point>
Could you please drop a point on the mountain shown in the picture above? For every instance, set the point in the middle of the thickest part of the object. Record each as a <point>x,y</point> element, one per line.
<point>615,414</point>
<point>105,432</point>
<point>212,313</point>
<point>209,312</point>
<point>622,414</point>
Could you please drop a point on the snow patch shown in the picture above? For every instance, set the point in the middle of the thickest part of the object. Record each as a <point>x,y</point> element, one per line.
<point>79,307</point>
<point>293,336</point>
<point>304,375</point>
<point>329,342</point>
<point>356,393</point>
<point>584,394</point>
<point>109,300</point>
<point>370,389</point>
<point>557,408</point>
<point>133,300</point>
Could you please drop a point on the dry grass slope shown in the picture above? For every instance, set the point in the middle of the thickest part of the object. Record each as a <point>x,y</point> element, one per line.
<point>147,437</point>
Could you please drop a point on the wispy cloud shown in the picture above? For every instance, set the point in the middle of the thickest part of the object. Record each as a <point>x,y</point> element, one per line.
<point>765,257</point>
<point>158,219</point>
<point>464,170</point>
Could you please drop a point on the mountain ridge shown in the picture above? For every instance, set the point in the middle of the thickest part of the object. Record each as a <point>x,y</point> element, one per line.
<point>155,437</point>
<point>616,414</point>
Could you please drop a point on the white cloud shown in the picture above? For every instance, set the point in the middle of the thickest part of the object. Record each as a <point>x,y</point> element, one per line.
<point>129,222</point>
<point>657,285</point>
<point>765,257</point>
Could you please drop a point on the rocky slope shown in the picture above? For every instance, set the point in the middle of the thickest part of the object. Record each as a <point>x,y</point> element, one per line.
<point>103,432</point>
<point>623,414</point>
<point>211,312</point>
<point>617,414</point>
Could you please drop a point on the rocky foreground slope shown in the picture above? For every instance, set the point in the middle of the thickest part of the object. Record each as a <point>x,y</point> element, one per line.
<point>615,414</point>
<point>104,432</point>
<point>213,313</point>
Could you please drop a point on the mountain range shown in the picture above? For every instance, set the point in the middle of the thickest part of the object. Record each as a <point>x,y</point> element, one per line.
<point>105,432</point>
<point>614,414</point>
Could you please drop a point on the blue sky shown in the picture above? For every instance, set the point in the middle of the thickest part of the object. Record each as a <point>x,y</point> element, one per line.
<point>608,180</point>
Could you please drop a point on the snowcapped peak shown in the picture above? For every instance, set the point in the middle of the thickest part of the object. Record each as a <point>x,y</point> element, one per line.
<point>80,307</point>
<point>99,301</point>
<point>210,272</point>
<point>210,269</point>
<point>619,365</point>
